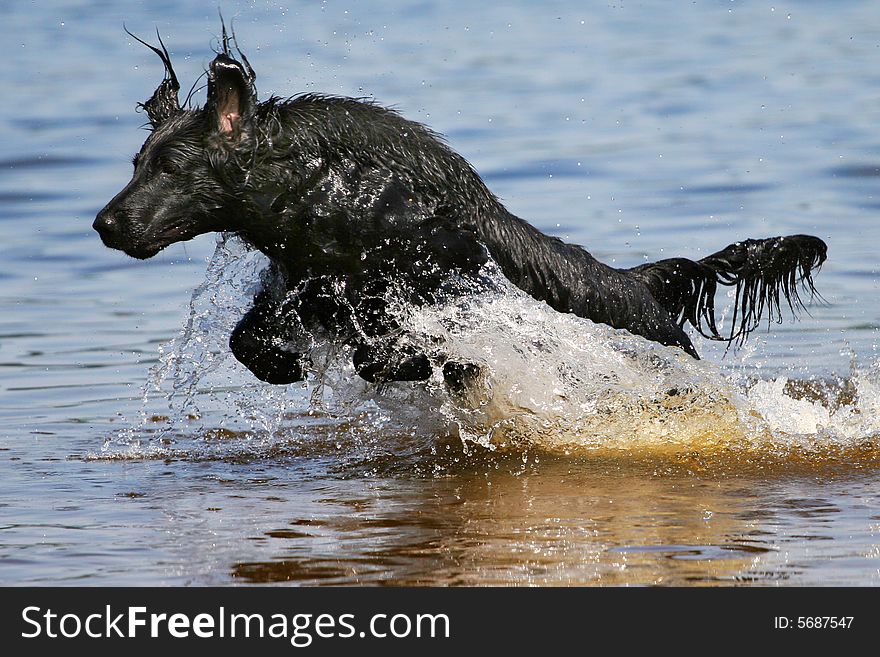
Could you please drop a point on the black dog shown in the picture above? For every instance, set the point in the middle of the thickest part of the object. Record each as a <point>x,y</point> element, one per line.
<point>358,208</point>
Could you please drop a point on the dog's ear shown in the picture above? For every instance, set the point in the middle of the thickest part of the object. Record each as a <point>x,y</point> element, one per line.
<point>163,103</point>
<point>231,95</point>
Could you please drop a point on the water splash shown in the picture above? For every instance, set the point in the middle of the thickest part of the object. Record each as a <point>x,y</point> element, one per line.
<point>550,381</point>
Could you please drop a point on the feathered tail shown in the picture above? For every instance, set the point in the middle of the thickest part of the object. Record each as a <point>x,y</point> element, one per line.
<point>766,273</point>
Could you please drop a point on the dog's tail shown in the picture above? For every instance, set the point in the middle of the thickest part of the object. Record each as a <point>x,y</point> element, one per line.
<point>766,273</point>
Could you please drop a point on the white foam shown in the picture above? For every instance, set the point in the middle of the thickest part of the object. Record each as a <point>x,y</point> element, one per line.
<point>550,379</point>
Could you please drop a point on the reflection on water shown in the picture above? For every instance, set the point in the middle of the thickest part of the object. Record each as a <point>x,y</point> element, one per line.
<point>557,523</point>
<point>400,511</point>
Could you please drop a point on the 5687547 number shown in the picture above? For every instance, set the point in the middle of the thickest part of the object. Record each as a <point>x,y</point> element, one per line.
<point>813,622</point>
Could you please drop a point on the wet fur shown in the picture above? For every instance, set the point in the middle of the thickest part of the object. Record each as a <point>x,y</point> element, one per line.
<point>359,208</point>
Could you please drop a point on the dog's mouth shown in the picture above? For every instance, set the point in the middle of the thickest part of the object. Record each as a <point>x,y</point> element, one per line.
<point>146,246</point>
<point>149,246</point>
<point>142,252</point>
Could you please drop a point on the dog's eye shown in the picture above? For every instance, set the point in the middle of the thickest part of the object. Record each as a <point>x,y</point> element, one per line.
<point>166,165</point>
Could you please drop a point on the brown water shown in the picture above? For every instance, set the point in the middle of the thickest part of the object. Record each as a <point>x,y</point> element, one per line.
<point>133,450</point>
<point>526,517</point>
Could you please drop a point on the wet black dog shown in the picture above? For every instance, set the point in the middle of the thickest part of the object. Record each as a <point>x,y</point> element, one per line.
<point>358,208</point>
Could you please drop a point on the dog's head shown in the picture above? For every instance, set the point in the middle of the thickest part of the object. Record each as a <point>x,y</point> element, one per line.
<point>185,174</point>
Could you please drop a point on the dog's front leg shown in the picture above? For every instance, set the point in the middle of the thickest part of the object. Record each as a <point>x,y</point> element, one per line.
<point>270,341</point>
<point>381,351</point>
<point>383,360</point>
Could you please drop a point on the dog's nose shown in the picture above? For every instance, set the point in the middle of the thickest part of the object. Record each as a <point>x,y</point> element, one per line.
<point>106,224</point>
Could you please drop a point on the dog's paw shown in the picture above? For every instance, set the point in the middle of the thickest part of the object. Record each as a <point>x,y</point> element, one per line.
<point>460,377</point>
